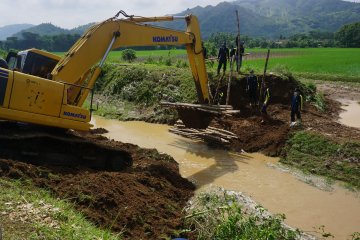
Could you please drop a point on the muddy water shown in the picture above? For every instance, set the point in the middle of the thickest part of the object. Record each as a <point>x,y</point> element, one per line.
<point>280,192</point>
<point>351,114</point>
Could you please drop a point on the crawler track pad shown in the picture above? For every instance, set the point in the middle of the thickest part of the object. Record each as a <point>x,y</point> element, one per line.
<point>41,148</point>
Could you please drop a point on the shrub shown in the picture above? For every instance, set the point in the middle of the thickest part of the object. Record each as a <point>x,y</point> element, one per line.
<point>168,61</point>
<point>2,53</point>
<point>150,60</point>
<point>128,55</point>
<point>282,70</point>
<point>218,215</point>
<point>181,64</point>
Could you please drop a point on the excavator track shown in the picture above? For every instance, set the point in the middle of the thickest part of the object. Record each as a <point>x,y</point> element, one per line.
<point>48,146</point>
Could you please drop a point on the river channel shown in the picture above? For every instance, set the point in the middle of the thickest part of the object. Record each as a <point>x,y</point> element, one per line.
<point>351,114</point>
<point>305,206</point>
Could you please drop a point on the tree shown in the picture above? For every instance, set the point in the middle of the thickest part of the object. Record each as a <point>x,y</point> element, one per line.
<point>349,35</point>
<point>128,55</point>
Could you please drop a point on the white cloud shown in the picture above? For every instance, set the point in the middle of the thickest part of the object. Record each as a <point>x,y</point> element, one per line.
<point>72,13</point>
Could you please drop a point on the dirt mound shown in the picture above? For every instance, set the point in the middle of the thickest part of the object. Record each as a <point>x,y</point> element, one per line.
<point>144,200</point>
<point>98,131</point>
<point>271,136</point>
<point>281,89</point>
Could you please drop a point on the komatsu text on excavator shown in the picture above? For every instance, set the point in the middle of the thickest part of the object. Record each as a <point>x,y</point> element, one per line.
<point>42,88</point>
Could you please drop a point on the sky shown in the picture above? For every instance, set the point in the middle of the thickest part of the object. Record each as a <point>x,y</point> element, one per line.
<point>72,13</point>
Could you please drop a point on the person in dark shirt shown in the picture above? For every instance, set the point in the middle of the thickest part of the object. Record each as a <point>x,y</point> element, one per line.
<point>222,57</point>
<point>296,106</point>
<point>204,50</point>
<point>3,63</point>
<point>241,53</point>
<point>252,88</point>
<point>266,96</point>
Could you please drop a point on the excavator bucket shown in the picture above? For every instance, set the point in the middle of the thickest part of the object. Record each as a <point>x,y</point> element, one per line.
<point>194,118</point>
<point>199,116</point>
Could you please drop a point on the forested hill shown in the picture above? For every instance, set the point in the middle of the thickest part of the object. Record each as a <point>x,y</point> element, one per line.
<point>258,18</point>
<point>52,30</point>
<point>272,18</point>
<point>9,30</point>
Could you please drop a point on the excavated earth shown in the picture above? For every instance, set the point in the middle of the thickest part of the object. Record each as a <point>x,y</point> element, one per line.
<point>140,192</point>
<point>270,137</point>
<point>142,197</point>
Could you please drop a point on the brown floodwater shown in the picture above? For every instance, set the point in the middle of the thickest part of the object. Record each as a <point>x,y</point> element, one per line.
<point>351,114</point>
<point>279,191</point>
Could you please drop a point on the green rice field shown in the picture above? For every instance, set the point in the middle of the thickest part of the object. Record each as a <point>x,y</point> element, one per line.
<point>336,64</point>
<point>317,62</point>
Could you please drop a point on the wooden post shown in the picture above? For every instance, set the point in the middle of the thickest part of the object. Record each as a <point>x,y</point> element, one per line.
<point>229,82</point>
<point>233,60</point>
<point>263,78</point>
<point>238,42</point>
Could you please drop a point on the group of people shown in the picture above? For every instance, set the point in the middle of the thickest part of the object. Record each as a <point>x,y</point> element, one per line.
<point>252,87</point>
<point>234,55</point>
<point>256,92</point>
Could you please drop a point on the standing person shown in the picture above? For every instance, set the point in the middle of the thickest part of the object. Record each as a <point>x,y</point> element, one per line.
<point>204,50</point>
<point>296,106</point>
<point>266,97</point>
<point>232,55</point>
<point>241,53</point>
<point>222,57</point>
<point>252,88</point>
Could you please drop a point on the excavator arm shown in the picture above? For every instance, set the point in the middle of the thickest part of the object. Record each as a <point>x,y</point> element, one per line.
<point>93,47</point>
<point>58,101</point>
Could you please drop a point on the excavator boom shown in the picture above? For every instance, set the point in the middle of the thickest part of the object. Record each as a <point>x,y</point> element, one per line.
<point>113,33</point>
<point>58,101</point>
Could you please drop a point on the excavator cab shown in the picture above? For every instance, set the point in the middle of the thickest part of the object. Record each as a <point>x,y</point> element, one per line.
<point>33,61</point>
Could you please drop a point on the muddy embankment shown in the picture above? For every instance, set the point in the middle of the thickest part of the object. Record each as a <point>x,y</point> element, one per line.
<point>270,137</point>
<point>143,198</point>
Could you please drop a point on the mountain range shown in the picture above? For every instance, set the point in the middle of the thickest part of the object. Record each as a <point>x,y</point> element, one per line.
<point>16,30</point>
<point>272,18</point>
<point>258,18</point>
<point>9,30</point>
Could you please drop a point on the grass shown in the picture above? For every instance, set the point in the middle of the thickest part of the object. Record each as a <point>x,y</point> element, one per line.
<point>27,212</point>
<point>330,64</point>
<point>219,215</point>
<point>134,92</point>
<point>316,62</point>
<point>314,153</point>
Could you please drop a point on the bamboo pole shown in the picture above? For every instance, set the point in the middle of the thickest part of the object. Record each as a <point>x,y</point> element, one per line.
<point>263,77</point>
<point>238,42</point>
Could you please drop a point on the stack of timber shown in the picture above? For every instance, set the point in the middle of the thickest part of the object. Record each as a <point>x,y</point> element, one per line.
<point>210,134</point>
<point>212,109</point>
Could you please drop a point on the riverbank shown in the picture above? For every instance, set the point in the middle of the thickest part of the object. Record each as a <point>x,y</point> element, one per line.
<point>121,89</point>
<point>277,189</point>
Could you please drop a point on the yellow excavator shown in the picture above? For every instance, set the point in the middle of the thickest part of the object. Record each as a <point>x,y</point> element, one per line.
<point>42,88</point>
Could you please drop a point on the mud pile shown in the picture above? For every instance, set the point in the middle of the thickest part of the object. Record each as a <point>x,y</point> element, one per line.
<point>282,88</point>
<point>270,137</point>
<point>144,200</point>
